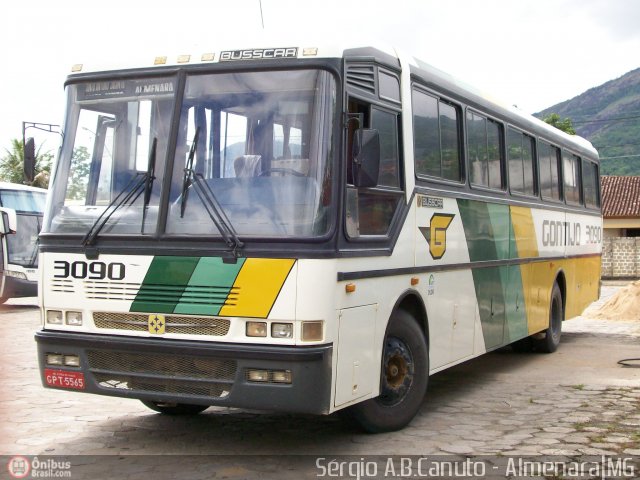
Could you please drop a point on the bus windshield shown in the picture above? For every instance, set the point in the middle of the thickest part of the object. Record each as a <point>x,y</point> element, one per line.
<point>110,129</point>
<point>23,200</point>
<point>22,246</point>
<point>256,144</point>
<point>262,151</point>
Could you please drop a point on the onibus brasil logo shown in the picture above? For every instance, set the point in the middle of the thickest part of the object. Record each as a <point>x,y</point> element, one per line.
<point>21,467</point>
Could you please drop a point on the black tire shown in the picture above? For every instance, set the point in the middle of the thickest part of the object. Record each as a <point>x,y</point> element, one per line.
<point>549,343</point>
<point>175,408</point>
<point>403,379</point>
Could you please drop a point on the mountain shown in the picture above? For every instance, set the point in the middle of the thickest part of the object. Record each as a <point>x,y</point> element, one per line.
<point>609,117</point>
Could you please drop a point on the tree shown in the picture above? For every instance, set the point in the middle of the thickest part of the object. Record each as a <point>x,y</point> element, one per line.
<point>12,165</point>
<point>79,178</point>
<point>566,125</point>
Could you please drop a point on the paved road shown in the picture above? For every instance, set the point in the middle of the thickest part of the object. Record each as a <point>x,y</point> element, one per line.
<point>574,402</point>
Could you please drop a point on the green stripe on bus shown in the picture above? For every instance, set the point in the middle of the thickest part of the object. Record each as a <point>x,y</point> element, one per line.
<point>515,307</point>
<point>209,286</point>
<point>164,284</point>
<point>499,291</point>
<point>478,230</point>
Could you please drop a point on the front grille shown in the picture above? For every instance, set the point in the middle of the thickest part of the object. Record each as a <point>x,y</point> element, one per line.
<point>124,382</point>
<point>185,325</point>
<point>105,290</point>
<point>178,374</point>
<point>62,286</point>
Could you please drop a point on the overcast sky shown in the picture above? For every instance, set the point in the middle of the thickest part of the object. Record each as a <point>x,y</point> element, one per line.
<point>531,53</point>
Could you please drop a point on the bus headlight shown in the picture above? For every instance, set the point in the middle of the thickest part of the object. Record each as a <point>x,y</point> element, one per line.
<point>72,360</point>
<point>74,318</point>
<point>269,376</point>
<point>55,359</point>
<point>256,329</point>
<point>281,376</point>
<point>282,330</point>
<point>54,317</point>
<point>261,376</point>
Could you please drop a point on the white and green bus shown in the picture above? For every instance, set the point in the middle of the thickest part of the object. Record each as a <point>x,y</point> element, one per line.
<point>21,208</point>
<point>304,229</point>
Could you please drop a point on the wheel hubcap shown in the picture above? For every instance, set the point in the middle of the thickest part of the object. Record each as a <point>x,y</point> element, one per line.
<point>398,372</point>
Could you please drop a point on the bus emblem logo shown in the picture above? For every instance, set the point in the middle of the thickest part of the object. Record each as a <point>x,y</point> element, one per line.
<point>156,324</point>
<point>436,234</point>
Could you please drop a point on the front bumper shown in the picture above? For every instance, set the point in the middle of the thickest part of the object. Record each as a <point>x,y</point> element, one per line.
<point>194,372</point>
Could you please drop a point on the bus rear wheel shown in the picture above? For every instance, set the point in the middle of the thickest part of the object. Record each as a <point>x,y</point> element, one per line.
<point>404,378</point>
<point>174,408</point>
<point>551,339</point>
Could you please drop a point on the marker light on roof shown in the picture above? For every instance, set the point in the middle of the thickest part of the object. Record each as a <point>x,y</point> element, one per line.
<point>208,57</point>
<point>160,61</point>
<point>77,67</point>
<point>184,58</point>
<point>308,52</point>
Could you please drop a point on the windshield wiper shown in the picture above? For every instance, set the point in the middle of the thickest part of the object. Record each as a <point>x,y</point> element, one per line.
<point>142,182</point>
<point>207,197</point>
<point>188,171</point>
<point>128,195</point>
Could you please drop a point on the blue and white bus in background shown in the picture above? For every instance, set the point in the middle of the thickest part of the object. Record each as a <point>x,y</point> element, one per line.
<point>21,210</point>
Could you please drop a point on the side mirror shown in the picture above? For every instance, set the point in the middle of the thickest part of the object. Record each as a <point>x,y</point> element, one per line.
<point>29,160</point>
<point>366,157</point>
<point>7,221</point>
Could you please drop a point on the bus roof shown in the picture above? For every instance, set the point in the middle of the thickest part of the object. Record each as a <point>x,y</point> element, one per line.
<point>381,53</point>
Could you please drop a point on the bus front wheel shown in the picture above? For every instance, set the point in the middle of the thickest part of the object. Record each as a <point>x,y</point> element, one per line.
<point>404,378</point>
<point>174,408</point>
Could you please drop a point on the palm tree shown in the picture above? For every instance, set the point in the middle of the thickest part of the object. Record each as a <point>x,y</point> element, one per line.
<point>12,165</point>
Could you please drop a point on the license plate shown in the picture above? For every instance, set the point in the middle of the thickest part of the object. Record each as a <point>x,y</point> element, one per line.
<point>64,379</point>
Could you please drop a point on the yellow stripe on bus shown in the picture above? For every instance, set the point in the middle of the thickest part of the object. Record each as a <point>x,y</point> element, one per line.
<point>524,232</point>
<point>256,287</point>
<point>536,277</point>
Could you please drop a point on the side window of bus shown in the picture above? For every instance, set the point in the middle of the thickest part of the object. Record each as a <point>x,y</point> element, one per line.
<point>549,161</point>
<point>520,154</point>
<point>371,210</point>
<point>590,184</point>
<point>484,140</point>
<point>436,124</point>
<point>571,175</point>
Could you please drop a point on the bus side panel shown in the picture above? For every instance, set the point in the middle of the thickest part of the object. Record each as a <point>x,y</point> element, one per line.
<point>455,328</point>
<point>537,277</point>
<point>584,237</point>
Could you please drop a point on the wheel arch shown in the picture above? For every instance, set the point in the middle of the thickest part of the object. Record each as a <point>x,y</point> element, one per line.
<point>411,302</point>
